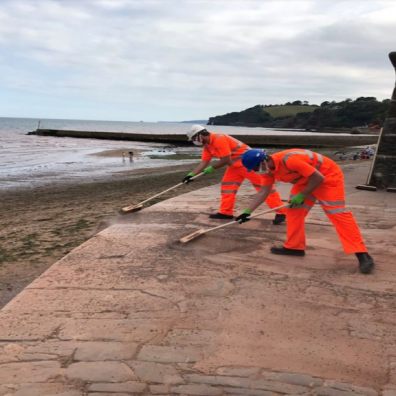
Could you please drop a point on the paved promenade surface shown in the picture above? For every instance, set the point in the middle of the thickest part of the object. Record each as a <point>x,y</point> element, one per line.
<point>132,311</point>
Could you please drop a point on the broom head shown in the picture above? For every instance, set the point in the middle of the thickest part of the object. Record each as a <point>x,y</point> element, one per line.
<point>131,208</point>
<point>192,236</point>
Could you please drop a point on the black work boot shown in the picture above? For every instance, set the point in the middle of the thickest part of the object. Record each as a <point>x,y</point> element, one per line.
<point>279,219</point>
<point>221,216</point>
<point>286,251</point>
<point>366,263</point>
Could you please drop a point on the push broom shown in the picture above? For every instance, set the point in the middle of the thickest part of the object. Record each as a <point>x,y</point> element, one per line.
<point>139,206</point>
<point>203,231</point>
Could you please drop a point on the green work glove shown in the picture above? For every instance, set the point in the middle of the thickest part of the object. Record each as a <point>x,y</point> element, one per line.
<point>188,177</point>
<point>208,170</point>
<point>297,200</point>
<point>244,216</point>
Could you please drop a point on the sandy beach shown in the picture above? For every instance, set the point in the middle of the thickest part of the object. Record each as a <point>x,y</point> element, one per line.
<point>41,225</point>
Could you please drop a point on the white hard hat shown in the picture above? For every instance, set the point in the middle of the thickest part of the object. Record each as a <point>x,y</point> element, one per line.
<point>194,130</point>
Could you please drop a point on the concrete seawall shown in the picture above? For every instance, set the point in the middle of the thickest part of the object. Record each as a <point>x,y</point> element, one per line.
<point>336,140</point>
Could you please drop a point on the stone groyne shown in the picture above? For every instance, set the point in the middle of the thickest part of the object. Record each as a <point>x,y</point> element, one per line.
<point>303,140</point>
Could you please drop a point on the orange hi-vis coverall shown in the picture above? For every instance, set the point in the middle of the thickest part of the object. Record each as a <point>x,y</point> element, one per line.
<point>296,166</point>
<point>221,146</point>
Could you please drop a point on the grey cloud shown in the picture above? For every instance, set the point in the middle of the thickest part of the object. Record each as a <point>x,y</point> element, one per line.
<point>196,57</point>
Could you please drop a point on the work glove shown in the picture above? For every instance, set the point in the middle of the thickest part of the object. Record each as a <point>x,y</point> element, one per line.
<point>208,170</point>
<point>188,177</point>
<point>297,200</point>
<point>244,216</point>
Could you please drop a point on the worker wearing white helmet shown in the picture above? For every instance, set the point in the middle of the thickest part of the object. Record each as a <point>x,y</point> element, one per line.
<point>195,129</point>
<point>229,151</point>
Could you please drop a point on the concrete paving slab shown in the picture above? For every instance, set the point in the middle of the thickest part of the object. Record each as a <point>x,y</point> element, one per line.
<point>133,311</point>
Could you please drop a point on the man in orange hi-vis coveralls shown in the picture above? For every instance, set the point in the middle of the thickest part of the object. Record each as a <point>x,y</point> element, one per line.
<point>229,152</point>
<point>314,177</point>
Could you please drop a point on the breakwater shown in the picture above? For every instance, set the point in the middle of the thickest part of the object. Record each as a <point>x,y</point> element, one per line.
<point>293,140</point>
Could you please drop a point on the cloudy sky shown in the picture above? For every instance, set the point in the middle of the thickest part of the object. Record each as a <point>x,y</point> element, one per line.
<point>189,59</point>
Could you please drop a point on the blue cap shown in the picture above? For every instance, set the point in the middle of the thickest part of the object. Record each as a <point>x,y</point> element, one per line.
<point>251,159</point>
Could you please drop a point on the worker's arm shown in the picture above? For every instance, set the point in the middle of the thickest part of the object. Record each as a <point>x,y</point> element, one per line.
<point>314,181</point>
<point>223,161</point>
<point>258,199</point>
<point>200,167</point>
<point>313,176</point>
<point>206,168</point>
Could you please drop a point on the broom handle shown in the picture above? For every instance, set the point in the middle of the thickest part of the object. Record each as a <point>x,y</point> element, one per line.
<point>254,215</point>
<point>169,189</point>
<point>373,160</point>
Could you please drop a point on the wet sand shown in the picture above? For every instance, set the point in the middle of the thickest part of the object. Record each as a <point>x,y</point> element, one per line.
<point>39,226</point>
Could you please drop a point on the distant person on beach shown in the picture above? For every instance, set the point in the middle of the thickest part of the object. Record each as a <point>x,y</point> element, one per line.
<point>130,156</point>
<point>229,152</point>
<point>370,151</point>
<point>367,153</point>
<point>314,177</point>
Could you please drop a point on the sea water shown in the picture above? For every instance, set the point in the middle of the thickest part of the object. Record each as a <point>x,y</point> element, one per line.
<point>30,160</point>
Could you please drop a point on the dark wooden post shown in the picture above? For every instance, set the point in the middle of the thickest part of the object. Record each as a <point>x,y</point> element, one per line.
<point>383,170</point>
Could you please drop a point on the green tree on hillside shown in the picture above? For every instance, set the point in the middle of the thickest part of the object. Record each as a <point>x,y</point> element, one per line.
<point>299,114</point>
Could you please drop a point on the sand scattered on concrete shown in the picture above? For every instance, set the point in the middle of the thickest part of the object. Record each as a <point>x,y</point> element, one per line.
<point>39,226</point>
